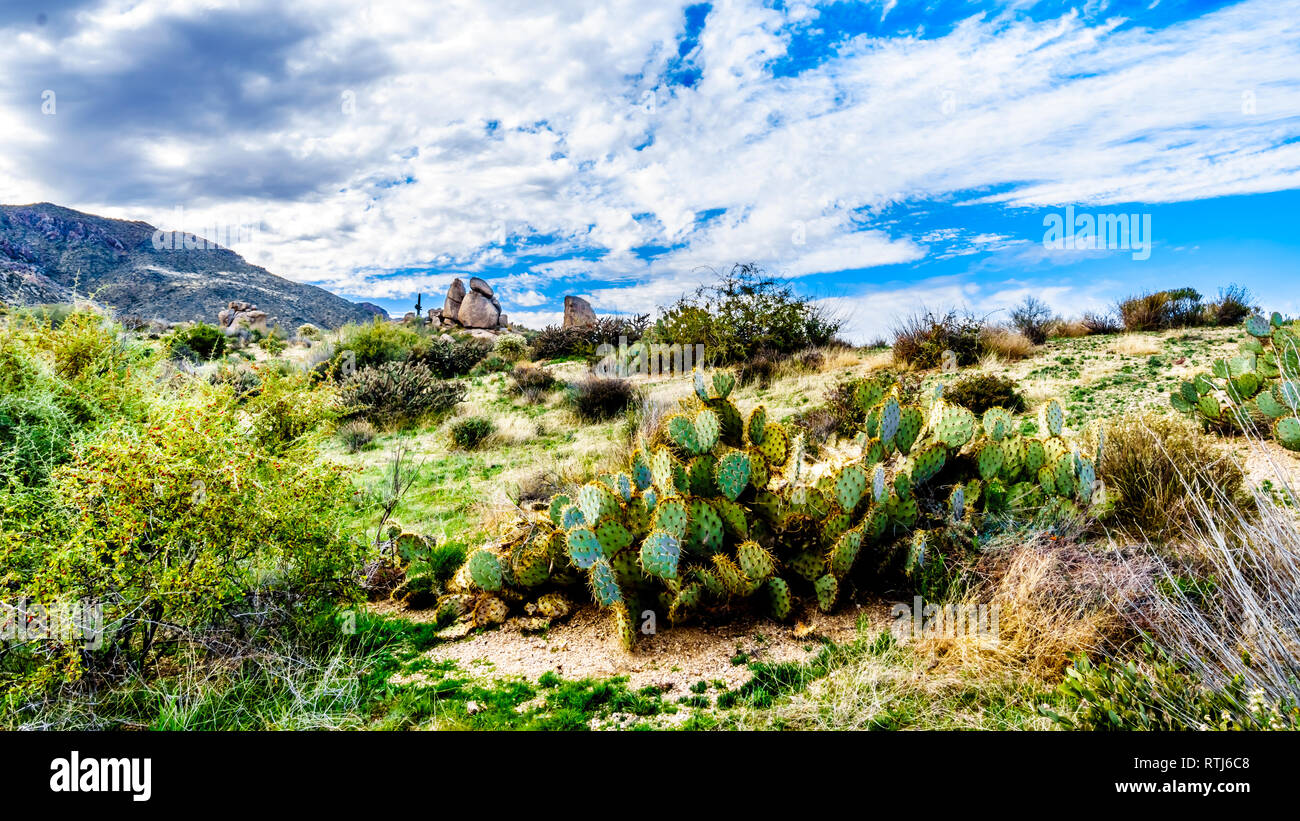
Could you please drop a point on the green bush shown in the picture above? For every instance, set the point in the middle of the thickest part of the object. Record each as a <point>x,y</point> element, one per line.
<point>398,392</point>
<point>197,343</point>
<point>596,399</point>
<point>470,432</point>
<point>356,434</point>
<point>532,383</point>
<point>173,528</point>
<point>510,347</point>
<point>744,313</point>
<point>1157,693</point>
<point>921,340</point>
<point>555,342</point>
<point>376,343</point>
<point>1159,310</point>
<point>447,358</point>
<point>980,391</point>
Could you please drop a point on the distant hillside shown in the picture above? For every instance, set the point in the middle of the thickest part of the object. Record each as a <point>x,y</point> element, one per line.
<point>46,251</point>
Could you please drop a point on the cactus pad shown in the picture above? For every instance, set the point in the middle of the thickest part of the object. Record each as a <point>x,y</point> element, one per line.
<point>485,570</point>
<point>779,601</point>
<point>660,553</point>
<point>828,589</point>
<point>604,586</point>
<point>850,485</point>
<point>584,547</point>
<point>755,561</point>
<point>1053,417</point>
<point>732,474</point>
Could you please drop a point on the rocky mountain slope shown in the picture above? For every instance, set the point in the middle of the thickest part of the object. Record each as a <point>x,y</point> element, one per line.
<point>47,251</point>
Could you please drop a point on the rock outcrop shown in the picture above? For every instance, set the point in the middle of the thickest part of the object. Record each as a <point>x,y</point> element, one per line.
<point>244,315</point>
<point>578,313</point>
<point>476,307</point>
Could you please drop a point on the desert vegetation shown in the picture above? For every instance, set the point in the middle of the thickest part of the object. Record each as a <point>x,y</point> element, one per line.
<point>391,526</point>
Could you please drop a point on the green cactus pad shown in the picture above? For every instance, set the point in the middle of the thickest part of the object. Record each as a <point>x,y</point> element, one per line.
<point>834,527</point>
<point>671,516</point>
<point>733,579</point>
<point>1053,417</point>
<point>775,444</point>
<point>637,517</point>
<point>531,566</point>
<point>755,561</point>
<point>1035,456</point>
<point>850,485</point>
<point>584,547</point>
<point>1287,432</point>
<point>891,413</point>
<point>759,475</point>
<point>1047,479</point>
<point>708,427</point>
<point>779,601</point>
<point>909,427</point>
<point>845,553</point>
<point>732,474</point>
<point>808,564</point>
<point>556,511</point>
<point>699,476</point>
<point>1268,405</point>
<point>723,382</point>
<point>681,432</point>
<point>957,503</point>
<point>1208,407</point>
<point>701,387</point>
<point>997,423</point>
<point>918,552</point>
<point>735,518</point>
<point>733,425</point>
<point>927,463</point>
<point>597,502</point>
<point>669,474</point>
<point>828,589</point>
<point>604,586</point>
<point>756,425</point>
<point>641,470</point>
<point>613,537</point>
<point>660,553</point>
<point>1258,326</point>
<point>879,488</point>
<point>686,602</point>
<point>485,570</point>
<point>991,459</point>
<point>704,529</point>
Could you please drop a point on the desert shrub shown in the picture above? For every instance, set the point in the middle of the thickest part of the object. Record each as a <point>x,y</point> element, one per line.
<point>1031,318</point>
<point>820,425</point>
<point>287,408</point>
<point>920,340</point>
<point>1231,308</point>
<point>356,434</point>
<point>493,364</point>
<point>398,392</point>
<point>596,399</point>
<point>980,391</point>
<point>1155,311</point>
<point>532,383</point>
<point>746,312</point>
<point>1067,329</point>
<point>197,343</point>
<point>810,360</point>
<point>510,347</point>
<point>1156,468</point>
<point>470,432</point>
<point>272,344</point>
<point>1101,323</point>
<point>1006,344</point>
<point>376,342</point>
<point>761,368</point>
<point>308,331</point>
<point>243,381</point>
<point>174,535</point>
<point>450,358</point>
<point>555,342</point>
<point>1157,692</point>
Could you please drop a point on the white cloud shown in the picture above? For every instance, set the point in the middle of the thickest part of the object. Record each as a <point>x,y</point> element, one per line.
<point>1038,112</point>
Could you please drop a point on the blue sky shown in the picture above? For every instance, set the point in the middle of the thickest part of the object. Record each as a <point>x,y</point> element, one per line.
<point>884,156</point>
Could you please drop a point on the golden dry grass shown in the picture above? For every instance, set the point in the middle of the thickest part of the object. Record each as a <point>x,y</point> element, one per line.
<point>1007,344</point>
<point>1136,345</point>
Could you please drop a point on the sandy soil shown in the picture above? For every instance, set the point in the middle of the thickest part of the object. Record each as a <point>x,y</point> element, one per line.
<point>672,659</point>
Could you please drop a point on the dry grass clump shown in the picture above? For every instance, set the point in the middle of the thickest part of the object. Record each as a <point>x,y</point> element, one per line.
<point>1229,605</point>
<point>1053,598</point>
<point>1136,345</point>
<point>1068,329</point>
<point>1006,344</point>
<point>1157,468</point>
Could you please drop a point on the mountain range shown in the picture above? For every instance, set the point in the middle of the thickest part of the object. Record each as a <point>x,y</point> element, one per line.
<point>52,254</point>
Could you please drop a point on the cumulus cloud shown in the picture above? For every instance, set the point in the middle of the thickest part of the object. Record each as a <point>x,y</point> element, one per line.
<point>370,141</point>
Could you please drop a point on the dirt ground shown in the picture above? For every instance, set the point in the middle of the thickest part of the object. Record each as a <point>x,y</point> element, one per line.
<point>672,659</point>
